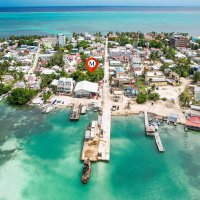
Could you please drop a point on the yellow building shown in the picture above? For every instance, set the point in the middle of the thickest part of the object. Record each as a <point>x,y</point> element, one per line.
<point>155,78</point>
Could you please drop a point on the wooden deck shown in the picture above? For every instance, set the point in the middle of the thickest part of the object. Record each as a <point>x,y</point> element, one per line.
<point>158,142</point>
<point>91,144</point>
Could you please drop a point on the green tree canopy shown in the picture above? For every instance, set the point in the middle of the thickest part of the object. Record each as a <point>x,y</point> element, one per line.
<point>154,55</point>
<point>84,44</point>
<point>142,43</point>
<point>47,79</point>
<point>183,67</point>
<point>57,59</point>
<point>79,75</point>
<point>20,96</point>
<point>154,96</point>
<point>141,98</point>
<point>95,76</point>
<point>170,53</point>
<point>4,89</point>
<point>184,98</point>
<point>196,77</point>
<point>155,44</point>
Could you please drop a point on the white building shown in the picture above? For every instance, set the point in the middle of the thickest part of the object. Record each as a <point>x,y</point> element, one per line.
<point>48,71</point>
<point>87,53</point>
<point>86,89</point>
<point>61,39</point>
<point>65,85</point>
<point>115,63</point>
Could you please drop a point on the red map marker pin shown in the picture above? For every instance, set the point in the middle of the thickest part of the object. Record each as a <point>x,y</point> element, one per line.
<point>92,64</point>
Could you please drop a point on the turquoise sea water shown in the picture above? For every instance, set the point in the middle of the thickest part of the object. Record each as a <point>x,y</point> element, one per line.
<point>54,20</point>
<point>40,160</point>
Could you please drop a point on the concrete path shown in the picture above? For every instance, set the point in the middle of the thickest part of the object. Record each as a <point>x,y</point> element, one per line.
<point>104,145</point>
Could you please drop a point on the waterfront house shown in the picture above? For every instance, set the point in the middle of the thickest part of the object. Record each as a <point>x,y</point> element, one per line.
<point>193,122</point>
<point>65,85</point>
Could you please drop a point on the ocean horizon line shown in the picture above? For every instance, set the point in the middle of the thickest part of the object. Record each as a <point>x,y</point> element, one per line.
<point>99,8</point>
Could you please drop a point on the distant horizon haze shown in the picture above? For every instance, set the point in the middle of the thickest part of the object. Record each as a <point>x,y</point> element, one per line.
<point>33,3</point>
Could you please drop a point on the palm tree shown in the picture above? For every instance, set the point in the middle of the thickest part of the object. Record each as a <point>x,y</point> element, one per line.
<point>185,98</point>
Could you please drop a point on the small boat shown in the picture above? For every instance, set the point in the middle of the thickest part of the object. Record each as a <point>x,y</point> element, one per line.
<point>75,112</point>
<point>83,110</point>
<point>86,171</point>
<point>49,109</point>
<point>155,125</point>
<point>159,123</point>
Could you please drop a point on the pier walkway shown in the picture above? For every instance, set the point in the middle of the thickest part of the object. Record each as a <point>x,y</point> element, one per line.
<point>158,142</point>
<point>150,131</point>
<point>104,144</point>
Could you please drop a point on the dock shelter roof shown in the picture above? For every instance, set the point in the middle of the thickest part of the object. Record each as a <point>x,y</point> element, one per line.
<point>172,118</point>
<point>87,86</point>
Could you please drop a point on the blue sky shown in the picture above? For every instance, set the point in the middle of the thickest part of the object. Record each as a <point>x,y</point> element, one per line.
<point>98,2</point>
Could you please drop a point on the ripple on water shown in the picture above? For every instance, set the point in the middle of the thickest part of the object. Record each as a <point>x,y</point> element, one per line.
<point>48,165</point>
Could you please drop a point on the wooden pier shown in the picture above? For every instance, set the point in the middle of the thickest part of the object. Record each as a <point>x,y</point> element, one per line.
<point>150,131</point>
<point>158,142</point>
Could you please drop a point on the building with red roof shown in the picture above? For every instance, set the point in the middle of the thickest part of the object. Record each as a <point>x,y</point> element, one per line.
<point>193,122</point>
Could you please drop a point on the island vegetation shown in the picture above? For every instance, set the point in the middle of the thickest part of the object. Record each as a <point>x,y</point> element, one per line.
<point>20,96</point>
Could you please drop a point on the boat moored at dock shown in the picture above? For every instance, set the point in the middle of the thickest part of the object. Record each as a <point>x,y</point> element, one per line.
<point>75,112</point>
<point>87,168</point>
<point>83,110</point>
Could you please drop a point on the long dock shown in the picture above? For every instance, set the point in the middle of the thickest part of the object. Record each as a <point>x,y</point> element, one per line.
<point>158,142</point>
<point>104,144</point>
<point>150,131</point>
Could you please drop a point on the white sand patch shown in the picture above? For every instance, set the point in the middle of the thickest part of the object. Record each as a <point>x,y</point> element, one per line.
<point>10,144</point>
<point>13,179</point>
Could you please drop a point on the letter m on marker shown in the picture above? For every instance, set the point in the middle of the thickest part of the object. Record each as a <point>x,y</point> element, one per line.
<point>92,63</point>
